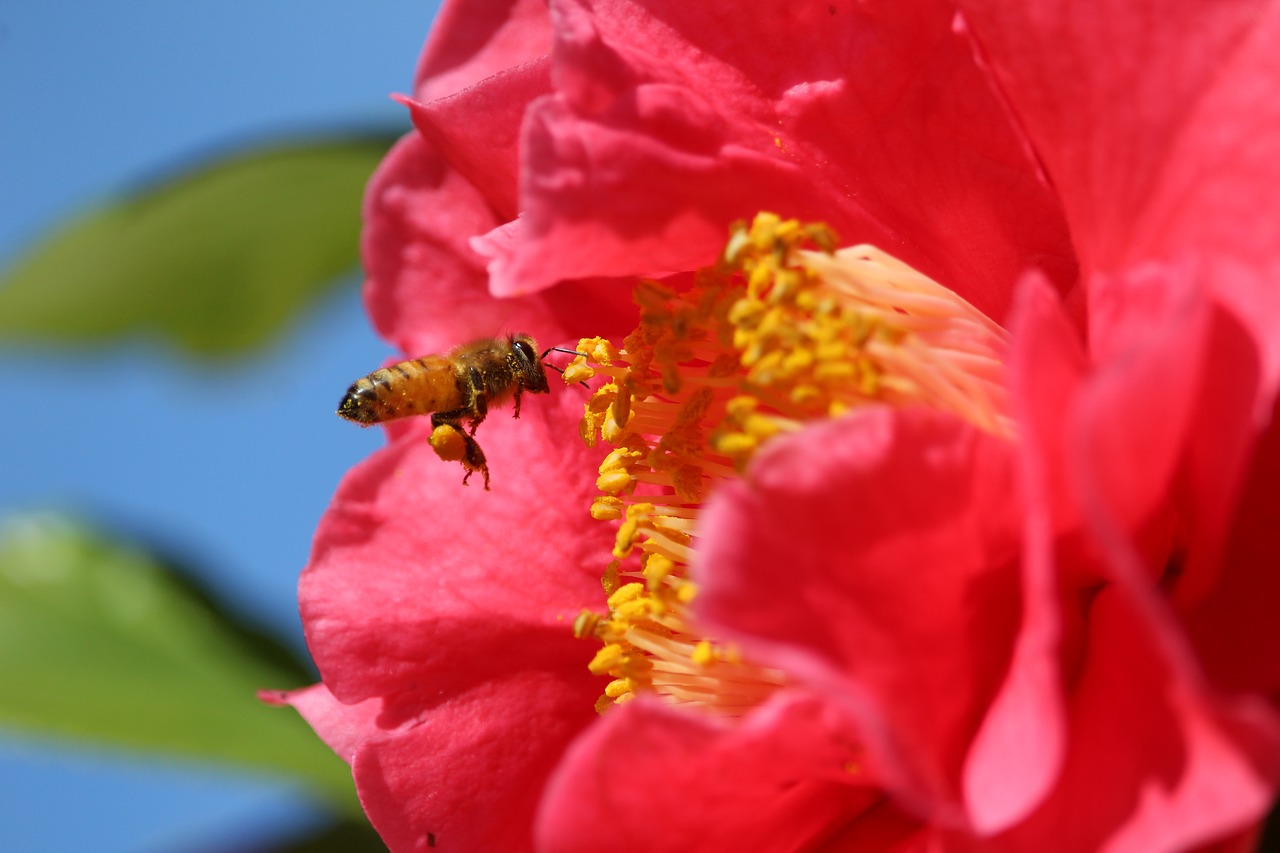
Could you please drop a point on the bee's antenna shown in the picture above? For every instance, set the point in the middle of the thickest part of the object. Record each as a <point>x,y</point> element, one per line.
<point>560,349</point>
<point>549,350</point>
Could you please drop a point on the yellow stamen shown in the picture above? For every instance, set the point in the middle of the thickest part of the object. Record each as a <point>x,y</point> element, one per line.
<point>785,330</point>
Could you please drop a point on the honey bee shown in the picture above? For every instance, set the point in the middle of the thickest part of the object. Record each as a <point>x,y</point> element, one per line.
<point>458,386</point>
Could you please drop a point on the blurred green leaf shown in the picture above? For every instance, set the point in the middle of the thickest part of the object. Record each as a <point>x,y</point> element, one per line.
<point>99,640</point>
<point>346,837</point>
<point>216,259</point>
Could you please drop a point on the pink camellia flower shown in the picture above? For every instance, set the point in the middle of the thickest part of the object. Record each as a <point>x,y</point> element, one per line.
<point>897,565</point>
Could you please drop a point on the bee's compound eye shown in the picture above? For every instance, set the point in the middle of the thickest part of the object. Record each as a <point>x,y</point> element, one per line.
<point>524,350</point>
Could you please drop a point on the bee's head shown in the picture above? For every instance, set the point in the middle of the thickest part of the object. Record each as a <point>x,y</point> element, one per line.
<point>524,352</point>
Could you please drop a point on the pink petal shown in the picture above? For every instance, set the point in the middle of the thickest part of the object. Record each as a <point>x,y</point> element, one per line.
<point>470,774</point>
<point>419,587</point>
<point>1157,760</point>
<point>1233,623</point>
<point>465,47</point>
<point>1125,427</point>
<point>1159,127</point>
<point>649,778</point>
<point>1017,753</point>
<point>478,131</point>
<point>1172,414</point>
<point>1132,418</point>
<point>427,290</point>
<point>1153,765</point>
<point>873,557</point>
<point>343,728</point>
<point>673,119</point>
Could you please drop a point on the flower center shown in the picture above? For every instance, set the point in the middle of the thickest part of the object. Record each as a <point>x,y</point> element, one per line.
<point>784,330</point>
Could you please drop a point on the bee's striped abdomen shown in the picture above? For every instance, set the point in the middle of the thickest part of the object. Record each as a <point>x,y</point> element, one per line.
<point>416,387</point>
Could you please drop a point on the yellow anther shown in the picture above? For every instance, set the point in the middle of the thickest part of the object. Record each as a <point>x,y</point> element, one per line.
<point>833,351</point>
<point>610,430</point>
<point>614,482</point>
<point>606,508</point>
<point>703,653</point>
<point>624,542</point>
<point>620,409</point>
<point>759,279</point>
<point>761,427</point>
<point>618,687</point>
<point>656,569</point>
<point>805,395</point>
<point>620,458</point>
<point>578,371</point>
<point>797,360</point>
<point>585,624</point>
<point>637,518</point>
<point>608,658</point>
<point>599,350</point>
<point>834,372</point>
<point>634,612</point>
<point>612,630</point>
<point>735,444</point>
<point>627,592</point>
<point>740,406</point>
<point>764,229</point>
<point>589,427</point>
<point>746,313</point>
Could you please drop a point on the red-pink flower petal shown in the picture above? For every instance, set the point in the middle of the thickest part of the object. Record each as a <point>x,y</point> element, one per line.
<point>1159,128</point>
<point>419,585</point>
<point>1160,434</point>
<point>435,605</point>
<point>343,728</point>
<point>477,132</point>
<point>1018,752</point>
<point>873,557</point>
<point>426,289</point>
<point>673,119</point>
<point>1153,765</point>
<point>1181,764</point>
<point>465,47</point>
<point>1126,430</point>
<point>1232,620</point>
<point>650,778</point>
<point>470,774</point>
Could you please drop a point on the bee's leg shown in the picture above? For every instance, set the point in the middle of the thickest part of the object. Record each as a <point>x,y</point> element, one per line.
<point>474,461</point>
<point>473,458</point>
<point>516,396</point>
<point>479,399</point>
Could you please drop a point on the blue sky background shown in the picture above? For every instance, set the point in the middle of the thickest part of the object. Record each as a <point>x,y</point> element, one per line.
<point>229,467</point>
